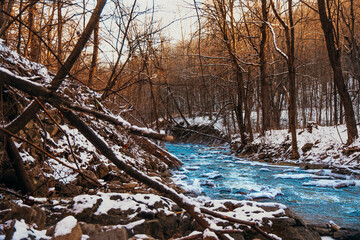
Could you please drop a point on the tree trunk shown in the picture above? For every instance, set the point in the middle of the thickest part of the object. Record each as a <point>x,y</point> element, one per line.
<point>334,57</point>
<point>239,108</point>
<point>5,18</point>
<point>59,32</point>
<point>303,103</point>
<point>30,111</point>
<point>18,44</point>
<point>18,165</point>
<point>95,54</point>
<point>264,80</point>
<point>30,24</point>
<point>292,85</point>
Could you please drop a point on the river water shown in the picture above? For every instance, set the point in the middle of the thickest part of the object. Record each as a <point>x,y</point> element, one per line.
<point>316,195</point>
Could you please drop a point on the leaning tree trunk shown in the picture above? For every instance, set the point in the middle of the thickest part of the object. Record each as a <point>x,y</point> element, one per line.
<point>30,111</point>
<point>334,57</point>
<point>95,54</point>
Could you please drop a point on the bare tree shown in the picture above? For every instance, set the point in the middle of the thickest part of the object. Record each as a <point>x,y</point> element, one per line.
<point>335,60</point>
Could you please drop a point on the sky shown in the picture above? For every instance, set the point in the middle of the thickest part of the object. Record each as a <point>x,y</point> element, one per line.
<point>171,11</point>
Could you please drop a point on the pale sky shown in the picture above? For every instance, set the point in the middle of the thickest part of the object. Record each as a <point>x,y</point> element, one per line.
<point>173,10</point>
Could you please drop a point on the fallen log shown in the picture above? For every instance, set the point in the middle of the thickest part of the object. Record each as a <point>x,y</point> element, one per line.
<point>158,152</point>
<point>181,200</point>
<point>39,90</point>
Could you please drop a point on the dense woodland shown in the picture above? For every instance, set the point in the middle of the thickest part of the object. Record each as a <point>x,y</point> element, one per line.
<point>247,63</point>
<point>85,82</point>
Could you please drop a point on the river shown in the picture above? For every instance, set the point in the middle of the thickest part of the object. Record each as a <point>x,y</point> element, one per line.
<point>316,195</point>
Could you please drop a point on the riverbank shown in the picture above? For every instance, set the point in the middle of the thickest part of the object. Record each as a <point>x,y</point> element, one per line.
<point>319,148</point>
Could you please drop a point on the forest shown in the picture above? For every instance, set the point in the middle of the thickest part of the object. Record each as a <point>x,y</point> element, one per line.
<point>112,71</point>
<point>249,63</point>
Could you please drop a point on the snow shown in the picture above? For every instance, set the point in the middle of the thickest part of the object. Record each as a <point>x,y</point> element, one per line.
<point>265,192</point>
<point>140,236</point>
<point>83,202</point>
<point>275,237</point>
<point>327,238</point>
<point>327,149</point>
<point>65,226</point>
<point>209,234</point>
<point>38,199</point>
<point>24,231</point>
<point>250,210</point>
<point>333,183</point>
<point>295,176</point>
<point>134,224</point>
<point>122,201</point>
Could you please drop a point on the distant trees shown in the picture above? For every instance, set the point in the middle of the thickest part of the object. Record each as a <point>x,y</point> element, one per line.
<point>247,65</point>
<point>334,54</point>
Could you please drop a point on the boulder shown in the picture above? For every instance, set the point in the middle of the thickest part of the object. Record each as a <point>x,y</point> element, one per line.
<point>31,215</point>
<point>114,234</point>
<point>84,181</point>
<point>307,147</point>
<point>90,229</point>
<point>290,228</point>
<point>102,170</point>
<point>67,229</point>
<point>20,230</point>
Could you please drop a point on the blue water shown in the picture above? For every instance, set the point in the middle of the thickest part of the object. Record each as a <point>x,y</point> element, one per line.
<point>217,174</point>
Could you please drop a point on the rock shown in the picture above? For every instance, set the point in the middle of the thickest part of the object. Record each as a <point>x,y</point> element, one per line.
<point>114,234</point>
<point>113,217</point>
<point>84,181</point>
<point>90,229</point>
<point>307,147</point>
<point>314,166</point>
<point>333,226</point>
<point>169,224</point>
<point>209,235</point>
<point>10,179</point>
<point>67,229</point>
<point>20,230</point>
<point>69,190</point>
<point>152,228</point>
<point>166,174</point>
<point>262,155</point>
<point>346,234</point>
<point>102,170</point>
<point>310,125</point>
<point>291,228</point>
<point>30,215</point>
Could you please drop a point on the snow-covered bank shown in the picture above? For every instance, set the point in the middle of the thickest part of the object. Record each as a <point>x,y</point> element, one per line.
<point>324,147</point>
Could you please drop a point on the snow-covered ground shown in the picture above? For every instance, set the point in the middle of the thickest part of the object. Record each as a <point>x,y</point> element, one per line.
<point>324,145</point>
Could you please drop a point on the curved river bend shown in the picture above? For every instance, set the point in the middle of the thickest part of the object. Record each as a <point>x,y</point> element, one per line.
<point>316,195</point>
